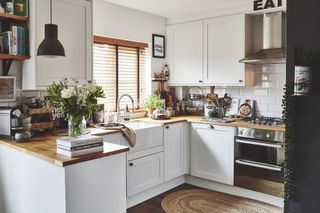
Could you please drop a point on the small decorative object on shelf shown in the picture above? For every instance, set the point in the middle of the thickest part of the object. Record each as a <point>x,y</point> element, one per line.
<point>9,7</point>
<point>20,7</point>
<point>166,71</point>
<point>75,100</point>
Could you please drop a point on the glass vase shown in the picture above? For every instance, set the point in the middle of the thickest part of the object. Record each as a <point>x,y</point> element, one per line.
<point>76,126</point>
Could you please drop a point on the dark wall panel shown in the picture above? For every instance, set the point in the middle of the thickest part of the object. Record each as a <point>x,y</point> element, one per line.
<point>303,31</point>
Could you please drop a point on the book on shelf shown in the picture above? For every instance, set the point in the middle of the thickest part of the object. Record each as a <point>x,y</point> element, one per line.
<point>6,42</point>
<point>79,141</point>
<point>81,147</point>
<point>80,152</point>
<point>13,42</point>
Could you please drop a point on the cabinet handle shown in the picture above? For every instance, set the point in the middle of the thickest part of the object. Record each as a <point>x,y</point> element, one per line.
<point>240,81</point>
<point>167,127</point>
<point>130,164</point>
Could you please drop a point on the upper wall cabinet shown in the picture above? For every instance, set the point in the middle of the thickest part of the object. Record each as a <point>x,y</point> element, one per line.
<point>208,52</point>
<point>185,53</point>
<point>224,47</point>
<point>74,20</point>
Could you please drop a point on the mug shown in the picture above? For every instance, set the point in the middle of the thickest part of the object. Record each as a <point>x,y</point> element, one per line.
<point>9,7</point>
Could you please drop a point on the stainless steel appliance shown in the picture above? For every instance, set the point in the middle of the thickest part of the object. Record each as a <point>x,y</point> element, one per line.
<point>259,158</point>
<point>9,123</point>
<point>273,51</point>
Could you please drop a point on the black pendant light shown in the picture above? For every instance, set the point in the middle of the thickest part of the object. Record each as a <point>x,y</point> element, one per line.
<point>51,46</point>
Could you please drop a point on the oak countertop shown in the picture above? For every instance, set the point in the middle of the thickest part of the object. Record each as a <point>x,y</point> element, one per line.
<point>45,148</point>
<point>196,119</point>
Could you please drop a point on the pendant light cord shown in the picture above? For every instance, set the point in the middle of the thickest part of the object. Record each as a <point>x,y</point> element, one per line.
<point>50,11</point>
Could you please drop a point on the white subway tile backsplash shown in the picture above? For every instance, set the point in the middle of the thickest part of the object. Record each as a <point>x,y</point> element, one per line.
<point>268,100</point>
<point>260,92</point>
<point>246,92</point>
<point>268,93</point>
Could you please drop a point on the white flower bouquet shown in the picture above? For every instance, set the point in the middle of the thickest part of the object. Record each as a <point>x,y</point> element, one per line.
<point>75,100</point>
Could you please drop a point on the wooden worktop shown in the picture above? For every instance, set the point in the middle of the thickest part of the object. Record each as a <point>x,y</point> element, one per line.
<point>45,149</point>
<point>196,119</point>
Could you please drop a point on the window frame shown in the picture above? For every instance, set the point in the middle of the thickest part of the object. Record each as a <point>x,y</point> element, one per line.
<point>123,43</point>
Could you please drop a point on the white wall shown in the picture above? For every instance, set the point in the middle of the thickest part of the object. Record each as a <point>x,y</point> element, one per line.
<point>124,23</point>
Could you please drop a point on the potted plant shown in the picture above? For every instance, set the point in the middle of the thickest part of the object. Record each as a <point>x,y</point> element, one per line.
<point>152,103</point>
<point>77,101</point>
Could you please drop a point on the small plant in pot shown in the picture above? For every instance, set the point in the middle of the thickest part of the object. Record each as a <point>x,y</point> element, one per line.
<point>152,103</point>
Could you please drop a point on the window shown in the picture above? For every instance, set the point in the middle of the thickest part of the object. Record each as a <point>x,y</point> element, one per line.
<point>120,68</point>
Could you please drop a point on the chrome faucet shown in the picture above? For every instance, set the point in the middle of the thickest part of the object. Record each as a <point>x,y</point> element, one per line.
<point>118,105</point>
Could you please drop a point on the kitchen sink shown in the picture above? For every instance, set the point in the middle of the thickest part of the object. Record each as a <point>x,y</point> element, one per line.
<point>140,125</point>
<point>135,125</point>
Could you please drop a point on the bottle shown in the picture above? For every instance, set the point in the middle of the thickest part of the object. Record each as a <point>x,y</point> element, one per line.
<point>83,125</point>
<point>166,71</point>
<point>126,115</point>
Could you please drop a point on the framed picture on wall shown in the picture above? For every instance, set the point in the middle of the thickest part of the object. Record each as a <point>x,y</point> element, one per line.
<point>7,88</point>
<point>158,46</point>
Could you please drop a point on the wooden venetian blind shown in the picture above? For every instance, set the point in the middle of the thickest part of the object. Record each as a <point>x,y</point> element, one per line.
<point>104,71</point>
<point>120,70</point>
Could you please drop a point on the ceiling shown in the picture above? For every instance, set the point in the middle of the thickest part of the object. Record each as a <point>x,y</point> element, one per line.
<point>176,8</point>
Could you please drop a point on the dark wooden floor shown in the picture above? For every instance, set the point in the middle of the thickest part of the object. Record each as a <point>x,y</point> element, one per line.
<point>154,204</point>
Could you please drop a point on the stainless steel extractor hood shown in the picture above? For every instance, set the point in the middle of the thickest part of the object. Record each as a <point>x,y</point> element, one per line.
<point>274,51</point>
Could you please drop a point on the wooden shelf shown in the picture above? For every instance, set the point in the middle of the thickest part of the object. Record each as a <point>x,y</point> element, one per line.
<point>13,57</point>
<point>9,17</point>
<point>159,79</point>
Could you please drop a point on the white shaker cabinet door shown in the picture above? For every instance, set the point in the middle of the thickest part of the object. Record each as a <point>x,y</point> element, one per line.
<point>144,173</point>
<point>174,150</point>
<point>185,53</point>
<point>224,47</point>
<point>212,152</point>
<point>74,20</point>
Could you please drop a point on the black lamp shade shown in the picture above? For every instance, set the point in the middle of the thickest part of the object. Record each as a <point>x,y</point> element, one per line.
<point>51,46</point>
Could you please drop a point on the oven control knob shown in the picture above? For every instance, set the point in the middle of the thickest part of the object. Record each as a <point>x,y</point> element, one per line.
<point>268,135</point>
<point>241,132</point>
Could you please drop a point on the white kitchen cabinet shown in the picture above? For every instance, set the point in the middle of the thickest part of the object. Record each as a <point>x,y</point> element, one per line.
<point>174,150</point>
<point>74,20</point>
<point>224,47</point>
<point>144,173</point>
<point>185,53</point>
<point>212,152</point>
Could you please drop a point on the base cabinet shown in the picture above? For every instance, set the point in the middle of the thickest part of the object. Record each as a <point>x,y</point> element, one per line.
<point>174,150</point>
<point>144,173</point>
<point>212,151</point>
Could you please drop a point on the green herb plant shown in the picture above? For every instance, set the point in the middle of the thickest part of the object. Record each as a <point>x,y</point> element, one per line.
<point>153,102</point>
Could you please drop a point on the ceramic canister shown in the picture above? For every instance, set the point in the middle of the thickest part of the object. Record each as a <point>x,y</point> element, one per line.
<point>302,80</point>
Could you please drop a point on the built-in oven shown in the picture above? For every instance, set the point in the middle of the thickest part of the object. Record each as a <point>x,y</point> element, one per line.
<point>259,160</point>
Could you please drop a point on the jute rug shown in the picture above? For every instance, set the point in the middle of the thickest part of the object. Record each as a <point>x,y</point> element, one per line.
<point>205,201</point>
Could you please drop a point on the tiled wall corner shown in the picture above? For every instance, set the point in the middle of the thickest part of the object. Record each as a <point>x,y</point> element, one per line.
<point>267,94</point>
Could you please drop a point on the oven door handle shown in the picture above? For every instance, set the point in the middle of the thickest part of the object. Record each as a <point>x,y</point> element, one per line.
<point>259,143</point>
<point>259,165</point>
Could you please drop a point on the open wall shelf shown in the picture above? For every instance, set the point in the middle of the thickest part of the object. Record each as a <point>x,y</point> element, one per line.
<point>10,17</point>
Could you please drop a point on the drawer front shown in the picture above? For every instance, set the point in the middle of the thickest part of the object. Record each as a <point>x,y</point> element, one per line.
<point>144,173</point>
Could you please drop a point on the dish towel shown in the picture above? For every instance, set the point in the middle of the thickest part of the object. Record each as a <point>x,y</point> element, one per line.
<point>128,133</point>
